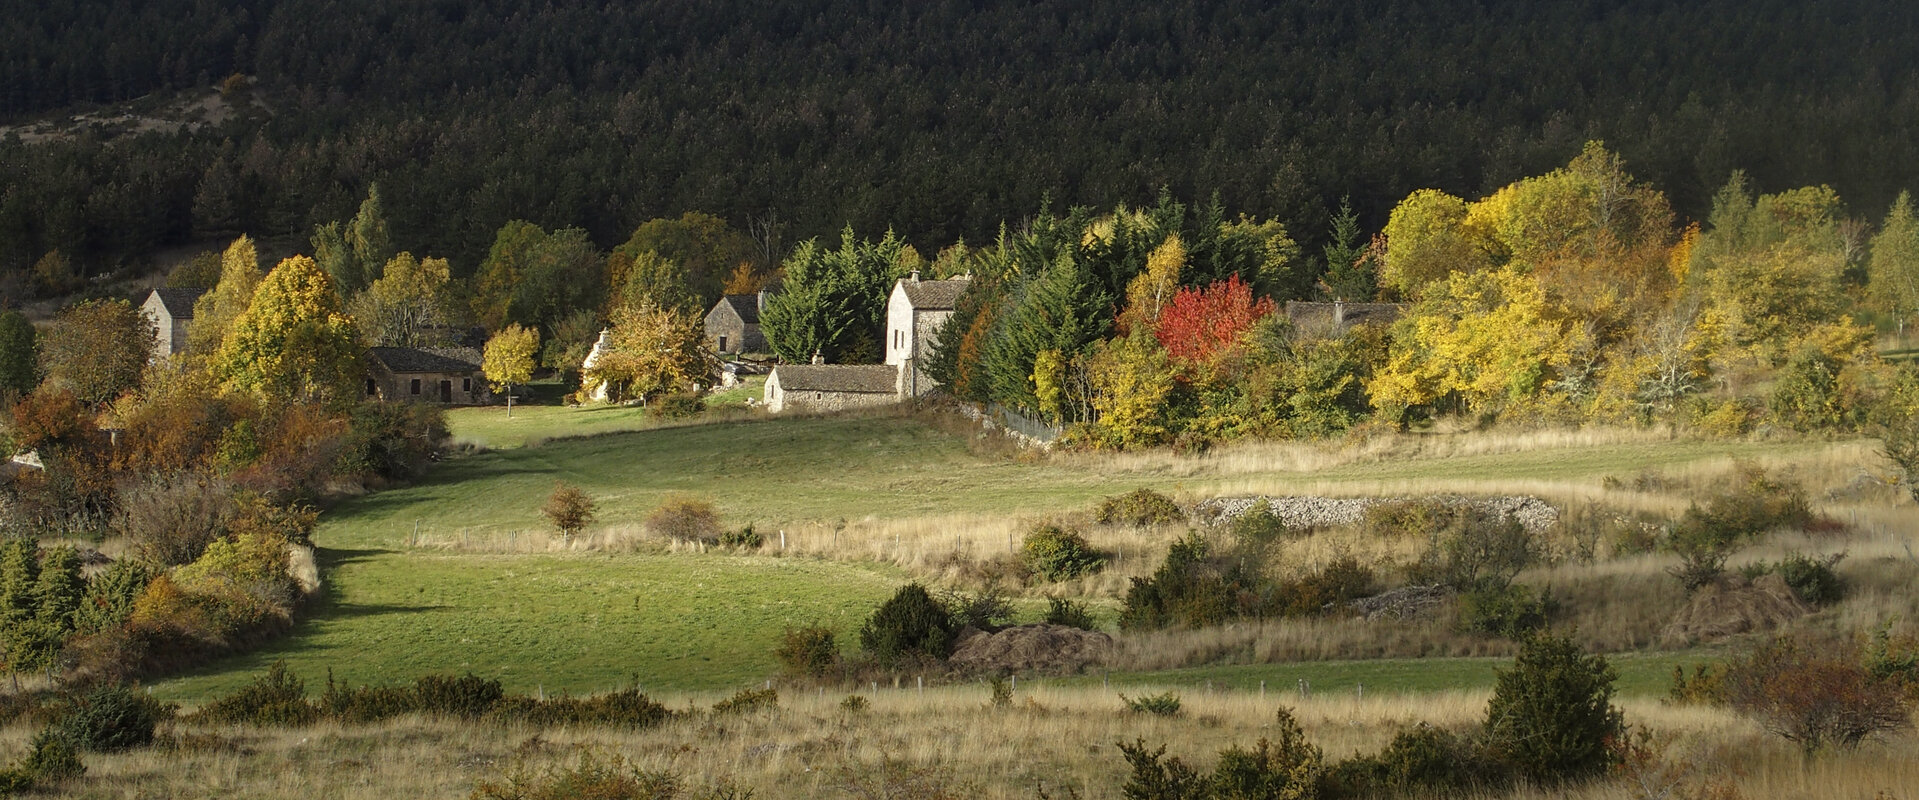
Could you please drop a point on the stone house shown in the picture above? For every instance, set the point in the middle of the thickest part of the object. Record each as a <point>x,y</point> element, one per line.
<point>451,377</point>
<point>733,325</point>
<point>1327,320</point>
<point>171,311</point>
<point>914,314</point>
<point>831,387</point>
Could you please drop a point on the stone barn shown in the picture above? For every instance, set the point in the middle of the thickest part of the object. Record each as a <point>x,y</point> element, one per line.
<point>914,314</point>
<point>733,326</point>
<point>424,376</point>
<point>171,311</point>
<point>831,387</point>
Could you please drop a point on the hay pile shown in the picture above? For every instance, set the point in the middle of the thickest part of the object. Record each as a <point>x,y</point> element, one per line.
<point>1053,649</point>
<point>1733,607</point>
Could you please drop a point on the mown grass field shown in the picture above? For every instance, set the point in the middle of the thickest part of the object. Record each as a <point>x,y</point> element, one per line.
<point>683,620</point>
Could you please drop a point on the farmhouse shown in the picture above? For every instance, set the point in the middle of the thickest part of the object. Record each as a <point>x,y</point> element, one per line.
<point>1327,320</point>
<point>171,311</point>
<point>831,387</point>
<point>412,374</point>
<point>914,314</point>
<point>733,326</point>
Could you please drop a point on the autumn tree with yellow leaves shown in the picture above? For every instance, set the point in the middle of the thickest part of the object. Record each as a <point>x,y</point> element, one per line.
<point>294,341</point>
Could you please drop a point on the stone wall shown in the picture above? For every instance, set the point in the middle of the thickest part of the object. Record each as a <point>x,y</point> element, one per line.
<point>1306,512</point>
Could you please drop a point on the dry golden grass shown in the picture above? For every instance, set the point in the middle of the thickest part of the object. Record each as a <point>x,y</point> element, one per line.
<point>810,747</point>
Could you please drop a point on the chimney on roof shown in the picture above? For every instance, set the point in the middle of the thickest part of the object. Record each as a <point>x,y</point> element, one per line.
<point>762,300</point>
<point>817,358</point>
<point>915,276</point>
<point>1339,312</point>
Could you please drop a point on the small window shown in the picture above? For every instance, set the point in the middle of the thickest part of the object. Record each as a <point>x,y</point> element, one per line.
<point>722,347</point>
<point>466,384</point>
<point>416,386</point>
<point>372,389</point>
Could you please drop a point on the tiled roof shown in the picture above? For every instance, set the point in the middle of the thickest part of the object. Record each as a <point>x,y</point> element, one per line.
<point>179,302</point>
<point>860,378</point>
<point>934,295</point>
<point>410,359</point>
<point>747,306</point>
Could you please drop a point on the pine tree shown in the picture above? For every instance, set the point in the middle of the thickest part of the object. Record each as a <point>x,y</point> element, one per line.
<point>19,370</point>
<point>1346,278</point>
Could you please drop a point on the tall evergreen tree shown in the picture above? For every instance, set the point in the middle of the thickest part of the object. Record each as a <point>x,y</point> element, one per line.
<point>19,368</point>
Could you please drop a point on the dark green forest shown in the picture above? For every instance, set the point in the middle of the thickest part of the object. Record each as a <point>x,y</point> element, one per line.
<point>940,120</point>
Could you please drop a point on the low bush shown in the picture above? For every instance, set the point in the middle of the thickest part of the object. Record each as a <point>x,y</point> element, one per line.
<point>744,539</point>
<point>988,611</point>
<point>808,652</point>
<point>1257,526</point>
<point>854,704</point>
<point>363,704</point>
<point>1477,548</point>
<point>908,626</point>
<point>1284,766</point>
<point>1156,777</point>
<point>1071,613</point>
<point>1057,554</point>
<point>678,405</point>
<point>1421,761</point>
<point>569,509</point>
<point>1164,705</point>
<point>110,719</point>
<point>1407,518</point>
<point>1342,579</point>
<point>468,696</point>
<point>626,708</point>
<point>1188,588</point>
<point>685,519</point>
<point>1705,686</point>
<point>277,697</point>
<point>1707,535</point>
<point>1815,697</point>
<point>51,757</point>
<point>589,777</point>
<point>748,700</point>
<point>1813,579</point>
<point>1139,508</point>
<point>1511,611</point>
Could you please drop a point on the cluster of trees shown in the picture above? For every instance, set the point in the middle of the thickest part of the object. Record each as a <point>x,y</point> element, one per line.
<point>1568,296</point>
<point>940,119</point>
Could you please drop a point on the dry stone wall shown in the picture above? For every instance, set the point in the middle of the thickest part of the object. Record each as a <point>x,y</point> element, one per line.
<point>1311,512</point>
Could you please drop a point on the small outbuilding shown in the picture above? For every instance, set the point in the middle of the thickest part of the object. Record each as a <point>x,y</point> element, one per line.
<point>733,325</point>
<point>425,376</point>
<point>171,311</point>
<point>831,387</point>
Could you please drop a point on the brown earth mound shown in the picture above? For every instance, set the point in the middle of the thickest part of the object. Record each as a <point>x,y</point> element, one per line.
<point>1040,648</point>
<point>1729,608</point>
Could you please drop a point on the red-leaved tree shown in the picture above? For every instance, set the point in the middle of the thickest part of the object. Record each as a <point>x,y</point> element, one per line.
<point>1199,323</point>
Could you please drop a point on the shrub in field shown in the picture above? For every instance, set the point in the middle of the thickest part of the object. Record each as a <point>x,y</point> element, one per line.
<point>808,652</point>
<point>1058,554</point>
<point>51,758</point>
<point>1257,527</point>
<point>626,708</point>
<point>1139,508</point>
<point>1815,699</point>
<point>1551,716</point>
<point>745,539</point>
<point>854,704</point>
<point>1478,548</point>
<point>1512,611</point>
<point>1156,777</point>
<point>1187,589</point>
<point>1342,579</point>
<point>1407,518</point>
<point>343,703</point>
<point>1285,766</point>
<point>275,698</point>
<point>907,626</point>
<point>468,696</point>
<point>111,594</point>
<point>1421,761</point>
<point>110,719</point>
<point>171,518</point>
<point>1705,686</point>
<point>589,777</point>
<point>685,519</point>
<point>1071,613</point>
<point>678,405</point>
<point>988,611</point>
<point>1164,705</point>
<point>748,700</point>
<point>569,509</point>
<point>1812,579</point>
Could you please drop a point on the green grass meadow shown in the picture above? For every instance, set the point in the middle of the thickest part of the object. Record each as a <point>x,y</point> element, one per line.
<point>585,622</point>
